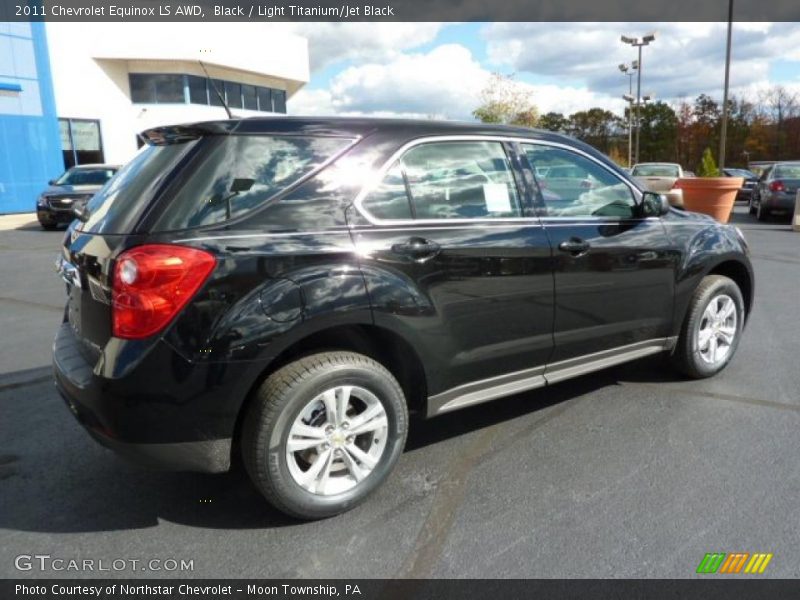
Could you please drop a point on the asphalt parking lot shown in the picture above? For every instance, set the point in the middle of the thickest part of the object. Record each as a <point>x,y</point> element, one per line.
<point>630,472</point>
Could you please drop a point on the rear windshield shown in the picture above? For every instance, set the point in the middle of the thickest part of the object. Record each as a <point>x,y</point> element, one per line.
<point>655,171</point>
<point>239,173</point>
<point>787,171</point>
<point>117,206</point>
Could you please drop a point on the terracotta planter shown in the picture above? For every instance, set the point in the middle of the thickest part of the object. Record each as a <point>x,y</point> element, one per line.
<point>712,196</point>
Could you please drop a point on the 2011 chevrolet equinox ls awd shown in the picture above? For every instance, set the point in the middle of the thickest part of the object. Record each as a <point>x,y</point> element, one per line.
<point>291,288</point>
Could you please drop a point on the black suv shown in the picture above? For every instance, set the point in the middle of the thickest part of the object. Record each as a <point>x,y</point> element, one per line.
<point>288,290</point>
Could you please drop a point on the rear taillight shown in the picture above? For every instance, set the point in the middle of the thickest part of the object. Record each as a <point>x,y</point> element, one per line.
<point>777,186</point>
<point>676,185</point>
<point>152,283</point>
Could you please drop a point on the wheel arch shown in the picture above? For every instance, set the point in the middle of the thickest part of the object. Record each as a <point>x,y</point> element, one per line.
<point>387,347</point>
<point>742,276</point>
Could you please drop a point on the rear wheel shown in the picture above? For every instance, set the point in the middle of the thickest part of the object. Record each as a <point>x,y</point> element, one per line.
<point>323,433</point>
<point>712,328</point>
<point>762,213</point>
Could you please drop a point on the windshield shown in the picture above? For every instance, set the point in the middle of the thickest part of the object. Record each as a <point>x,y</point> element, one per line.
<point>117,206</point>
<point>656,171</point>
<point>78,176</point>
<point>741,173</point>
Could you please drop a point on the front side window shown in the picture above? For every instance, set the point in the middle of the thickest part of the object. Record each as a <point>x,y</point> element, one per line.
<point>239,173</point>
<point>572,185</point>
<point>389,200</point>
<point>449,180</point>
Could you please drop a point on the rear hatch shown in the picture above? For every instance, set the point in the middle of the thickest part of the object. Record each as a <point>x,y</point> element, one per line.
<point>106,229</point>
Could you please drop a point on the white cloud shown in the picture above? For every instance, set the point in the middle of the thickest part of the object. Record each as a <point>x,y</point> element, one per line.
<point>685,60</point>
<point>445,82</point>
<point>330,43</point>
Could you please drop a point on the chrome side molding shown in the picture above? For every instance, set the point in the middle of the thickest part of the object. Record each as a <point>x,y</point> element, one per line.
<point>485,390</point>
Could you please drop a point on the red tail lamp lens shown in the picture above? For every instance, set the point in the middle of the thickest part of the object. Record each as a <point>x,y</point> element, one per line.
<point>152,283</point>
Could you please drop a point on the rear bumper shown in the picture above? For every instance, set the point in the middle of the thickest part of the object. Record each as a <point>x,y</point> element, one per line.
<point>180,425</point>
<point>779,202</point>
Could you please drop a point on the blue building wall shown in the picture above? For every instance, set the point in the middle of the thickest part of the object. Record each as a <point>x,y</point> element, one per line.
<point>30,142</point>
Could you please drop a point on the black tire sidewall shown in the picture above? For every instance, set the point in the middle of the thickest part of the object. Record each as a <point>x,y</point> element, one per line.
<point>722,286</point>
<point>290,494</point>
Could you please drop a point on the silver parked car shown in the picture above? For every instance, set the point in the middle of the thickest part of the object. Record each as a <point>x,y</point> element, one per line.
<point>776,190</point>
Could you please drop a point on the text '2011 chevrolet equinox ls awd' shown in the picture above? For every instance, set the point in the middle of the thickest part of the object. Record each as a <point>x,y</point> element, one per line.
<point>289,289</point>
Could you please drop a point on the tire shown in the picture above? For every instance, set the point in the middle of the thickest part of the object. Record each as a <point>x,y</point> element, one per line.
<point>691,355</point>
<point>751,207</point>
<point>762,213</point>
<point>295,397</point>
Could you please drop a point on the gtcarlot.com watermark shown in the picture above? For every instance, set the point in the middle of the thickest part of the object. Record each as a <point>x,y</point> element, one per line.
<point>46,562</point>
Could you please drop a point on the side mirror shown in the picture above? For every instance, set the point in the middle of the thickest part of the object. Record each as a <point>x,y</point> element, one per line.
<point>654,205</point>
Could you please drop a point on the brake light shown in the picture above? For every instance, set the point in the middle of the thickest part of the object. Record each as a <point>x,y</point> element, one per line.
<point>676,185</point>
<point>152,283</point>
<point>777,186</point>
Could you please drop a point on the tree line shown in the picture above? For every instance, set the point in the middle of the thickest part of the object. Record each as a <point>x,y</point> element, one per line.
<point>764,127</point>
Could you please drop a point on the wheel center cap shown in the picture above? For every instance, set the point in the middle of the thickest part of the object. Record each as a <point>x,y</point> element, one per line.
<point>337,438</point>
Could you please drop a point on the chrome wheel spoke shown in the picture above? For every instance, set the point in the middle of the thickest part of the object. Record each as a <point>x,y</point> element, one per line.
<point>324,476</point>
<point>727,309</point>
<point>370,420</point>
<point>352,466</point>
<point>342,402</point>
<point>727,334</point>
<point>361,456</point>
<point>329,400</point>
<point>712,348</point>
<point>703,338</point>
<point>309,477</point>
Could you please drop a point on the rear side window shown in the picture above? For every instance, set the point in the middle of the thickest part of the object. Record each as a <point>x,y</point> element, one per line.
<point>117,206</point>
<point>448,180</point>
<point>240,173</point>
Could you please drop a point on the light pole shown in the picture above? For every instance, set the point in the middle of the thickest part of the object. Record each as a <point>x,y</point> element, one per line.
<point>628,70</point>
<point>638,43</point>
<point>723,134</point>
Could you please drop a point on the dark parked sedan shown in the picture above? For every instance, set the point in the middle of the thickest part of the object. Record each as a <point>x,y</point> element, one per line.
<point>750,179</point>
<point>71,191</point>
<point>776,190</point>
<point>289,290</point>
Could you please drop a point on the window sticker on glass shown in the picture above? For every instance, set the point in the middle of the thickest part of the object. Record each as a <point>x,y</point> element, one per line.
<point>496,197</point>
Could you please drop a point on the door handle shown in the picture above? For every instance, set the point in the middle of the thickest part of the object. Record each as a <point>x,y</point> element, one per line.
<point>417,248</point>
<point>574,246</point>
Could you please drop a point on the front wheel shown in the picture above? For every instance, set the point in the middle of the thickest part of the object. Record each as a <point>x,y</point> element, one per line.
<point>712,328</point>
<point>323,433</point>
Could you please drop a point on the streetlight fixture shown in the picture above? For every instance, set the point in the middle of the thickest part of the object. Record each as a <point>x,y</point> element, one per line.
<point>628,70</point>
<point>638,43</point>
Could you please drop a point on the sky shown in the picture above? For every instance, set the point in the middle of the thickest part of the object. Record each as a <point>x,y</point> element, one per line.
<point>439,69</point>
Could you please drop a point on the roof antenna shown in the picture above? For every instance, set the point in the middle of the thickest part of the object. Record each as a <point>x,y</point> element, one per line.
<point>216,90</point>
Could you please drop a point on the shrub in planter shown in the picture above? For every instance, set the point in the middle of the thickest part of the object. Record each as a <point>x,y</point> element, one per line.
<point>708,193</point>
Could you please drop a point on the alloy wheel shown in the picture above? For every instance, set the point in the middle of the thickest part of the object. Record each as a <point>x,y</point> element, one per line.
<point>337,440</point>
<point>717,331</point>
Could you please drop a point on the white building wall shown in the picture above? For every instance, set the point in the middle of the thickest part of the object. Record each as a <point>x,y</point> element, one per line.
<point>90,64</point>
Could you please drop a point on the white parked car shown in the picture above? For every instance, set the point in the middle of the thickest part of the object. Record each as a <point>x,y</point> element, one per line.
<point>660,177</point>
